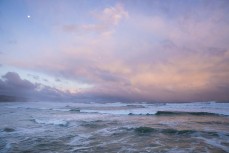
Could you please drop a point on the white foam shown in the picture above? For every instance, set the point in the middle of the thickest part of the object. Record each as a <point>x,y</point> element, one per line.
<point>105,132</point>
<point>61,109</point>
<point>210,107</point>
<point>144,108</point>
<point>139,111</point>
<point>215,142</point>
<point>80,139</point>
<point>51,121</point>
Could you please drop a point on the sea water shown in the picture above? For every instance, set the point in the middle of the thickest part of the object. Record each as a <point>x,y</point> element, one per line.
<point>55,127</point>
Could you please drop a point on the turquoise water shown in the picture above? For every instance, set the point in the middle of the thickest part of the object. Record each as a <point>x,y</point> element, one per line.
<point>50,127</point>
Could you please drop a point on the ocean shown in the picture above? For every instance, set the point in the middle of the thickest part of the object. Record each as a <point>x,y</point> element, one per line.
<point>67,127</point>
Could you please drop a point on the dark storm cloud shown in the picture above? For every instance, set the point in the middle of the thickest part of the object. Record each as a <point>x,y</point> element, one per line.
<point>12,85</point>
<point>13,81</point>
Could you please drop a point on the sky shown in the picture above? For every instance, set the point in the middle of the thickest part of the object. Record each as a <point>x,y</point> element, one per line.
<point>137,50</point>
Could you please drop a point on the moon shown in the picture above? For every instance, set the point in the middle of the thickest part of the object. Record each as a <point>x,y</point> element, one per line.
<point>28,16</point>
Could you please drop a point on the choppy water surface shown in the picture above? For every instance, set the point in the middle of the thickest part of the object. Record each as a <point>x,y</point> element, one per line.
<point>114,127</point>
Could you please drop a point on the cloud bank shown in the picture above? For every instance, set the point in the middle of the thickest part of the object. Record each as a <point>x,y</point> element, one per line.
<point>173,51</point>
<point>12,85</point>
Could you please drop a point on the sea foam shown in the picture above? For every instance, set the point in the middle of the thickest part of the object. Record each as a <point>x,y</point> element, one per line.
<point>51,121</point>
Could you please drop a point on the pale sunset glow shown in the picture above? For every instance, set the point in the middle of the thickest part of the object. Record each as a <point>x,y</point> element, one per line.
<point>134,50</point>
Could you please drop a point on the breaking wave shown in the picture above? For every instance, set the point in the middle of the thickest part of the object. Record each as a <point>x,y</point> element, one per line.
<point>145,130</point>
<point>186,113</point>
<point>51,122</point>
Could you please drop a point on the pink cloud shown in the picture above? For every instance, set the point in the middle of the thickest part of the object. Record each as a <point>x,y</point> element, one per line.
<point>107,19</point>
<point>152,57</point>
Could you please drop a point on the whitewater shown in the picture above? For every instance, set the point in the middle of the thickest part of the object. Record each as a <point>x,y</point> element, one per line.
<point>64,127</point>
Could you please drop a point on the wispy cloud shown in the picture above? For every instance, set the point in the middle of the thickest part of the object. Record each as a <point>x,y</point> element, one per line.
<point>164,54</point>
<point>106,20</point>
